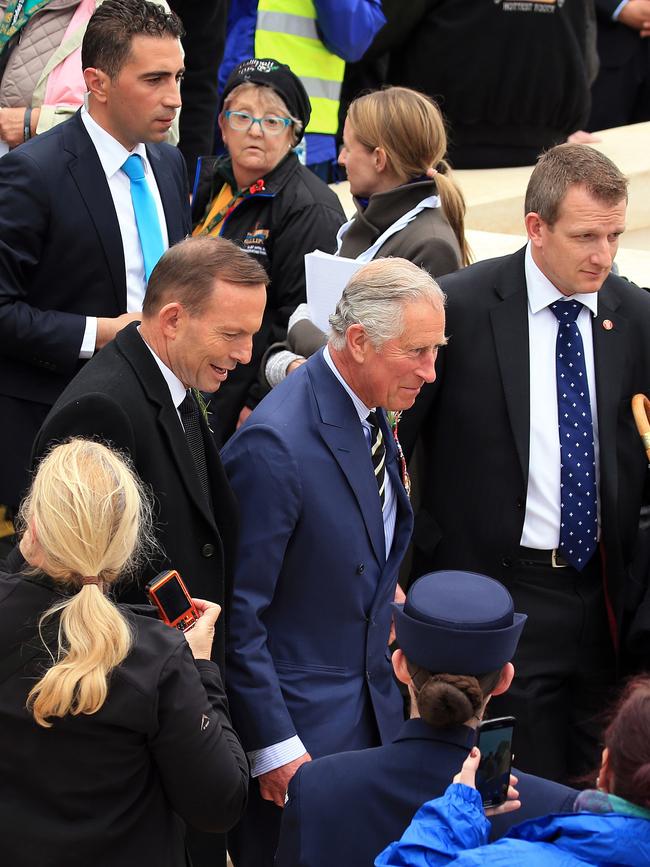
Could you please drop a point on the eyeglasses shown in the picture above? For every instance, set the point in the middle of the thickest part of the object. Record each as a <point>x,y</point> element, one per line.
<point>243,121</point>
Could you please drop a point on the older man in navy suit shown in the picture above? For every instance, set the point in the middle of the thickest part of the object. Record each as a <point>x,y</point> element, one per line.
<point>78,235</point>
<point>325,521</point>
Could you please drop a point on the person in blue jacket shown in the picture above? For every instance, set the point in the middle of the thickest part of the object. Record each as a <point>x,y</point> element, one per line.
<point>303,38</point>
<point>610,826</point>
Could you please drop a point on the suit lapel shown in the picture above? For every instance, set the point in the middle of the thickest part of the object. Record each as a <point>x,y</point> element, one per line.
<point>88,175</point>
<point>609,358</point>
<point>343,434</point>
<point>510,329</point>
<point>154,386</point>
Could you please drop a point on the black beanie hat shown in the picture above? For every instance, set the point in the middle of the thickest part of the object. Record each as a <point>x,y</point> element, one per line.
<point>280,78</point>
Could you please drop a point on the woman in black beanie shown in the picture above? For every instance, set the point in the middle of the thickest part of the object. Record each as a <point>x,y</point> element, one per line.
<point>261,197</point>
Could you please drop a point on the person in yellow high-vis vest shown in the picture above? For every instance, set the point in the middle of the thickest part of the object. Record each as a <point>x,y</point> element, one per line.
<point>316,38</point>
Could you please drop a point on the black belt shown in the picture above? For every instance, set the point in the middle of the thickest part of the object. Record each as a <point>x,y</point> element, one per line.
<point>535,557</point>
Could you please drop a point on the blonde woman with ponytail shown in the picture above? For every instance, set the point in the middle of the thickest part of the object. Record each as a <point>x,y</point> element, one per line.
<point>407,202</point>
<point>114,725</point>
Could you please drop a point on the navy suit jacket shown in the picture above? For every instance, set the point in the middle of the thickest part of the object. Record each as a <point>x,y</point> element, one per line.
<point>61,259</point>
<point>307,646</point>
<point>346,809</point>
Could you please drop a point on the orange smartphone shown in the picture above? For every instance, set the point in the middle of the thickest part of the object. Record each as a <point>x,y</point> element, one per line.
<point>168,593</point>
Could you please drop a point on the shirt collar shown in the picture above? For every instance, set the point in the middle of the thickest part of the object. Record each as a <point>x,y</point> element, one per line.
<point>541,292</point>
<point>362,410</point>
<point>112,155</point>
<point>176,387</point>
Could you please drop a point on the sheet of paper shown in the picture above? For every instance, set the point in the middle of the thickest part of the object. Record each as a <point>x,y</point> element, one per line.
<point>326,277</point>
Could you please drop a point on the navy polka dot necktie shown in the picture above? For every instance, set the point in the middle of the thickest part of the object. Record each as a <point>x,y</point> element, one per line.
<point>578,497</point>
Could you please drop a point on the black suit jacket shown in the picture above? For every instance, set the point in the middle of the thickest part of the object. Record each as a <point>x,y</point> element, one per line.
<point>61,259</point>
<point>475,421</point>
<point>616,42</point>
<point>121,397</point>
<point>113,787</point>
<point>346,808</point>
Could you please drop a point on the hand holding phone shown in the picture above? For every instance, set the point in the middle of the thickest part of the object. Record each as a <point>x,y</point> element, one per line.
<point>494,740</point>
<point>467,776</point>
<point>200,638</point>
<point>175,606</point>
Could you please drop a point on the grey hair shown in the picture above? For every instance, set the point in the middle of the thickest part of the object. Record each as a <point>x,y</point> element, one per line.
<point>375,297</point>
<point>271,99</point>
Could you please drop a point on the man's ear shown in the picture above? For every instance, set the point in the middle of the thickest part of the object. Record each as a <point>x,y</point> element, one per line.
<point>97,83</point>
<point>534,226</point>
<point>505,679</point>
<point>357,342</point>
<point>170,319</point>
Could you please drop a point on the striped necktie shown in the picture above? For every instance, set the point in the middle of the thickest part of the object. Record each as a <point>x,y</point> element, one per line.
<point>378,454</point>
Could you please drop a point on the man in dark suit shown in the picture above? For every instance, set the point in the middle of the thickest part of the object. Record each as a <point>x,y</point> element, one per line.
<point>73,265</point>
<point>621,92</point>
<point>448,622</point>
<point>325,522</point>
<point>204,302</point>
<point>510,451</point>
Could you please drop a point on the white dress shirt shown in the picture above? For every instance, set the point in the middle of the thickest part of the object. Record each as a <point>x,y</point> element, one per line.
<point>176,388</point>
<point>542,520</point>
<point>274,756</point>
<point>112,156</point>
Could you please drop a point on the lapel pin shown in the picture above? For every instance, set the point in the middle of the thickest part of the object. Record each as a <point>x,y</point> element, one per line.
<point>608,324</point>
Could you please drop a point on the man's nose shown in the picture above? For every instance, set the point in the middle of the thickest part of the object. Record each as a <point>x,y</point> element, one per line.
<point>172,97</point>
<point>242,352</point>
<point>427,367</point>
<point>602,254</point>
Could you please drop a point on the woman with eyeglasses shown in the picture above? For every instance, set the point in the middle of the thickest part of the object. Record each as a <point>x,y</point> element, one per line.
<point>261,197</point>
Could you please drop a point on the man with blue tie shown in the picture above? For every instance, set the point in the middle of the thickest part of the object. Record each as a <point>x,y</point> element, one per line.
<point>535,474</point>
<point>325,521</point>
<point>86,211</point>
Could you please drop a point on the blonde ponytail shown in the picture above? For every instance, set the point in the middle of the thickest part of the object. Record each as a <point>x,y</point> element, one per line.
<point>409,127</point>
<point>453,204</point>
<point>94,638</point>
<point>88,515</point>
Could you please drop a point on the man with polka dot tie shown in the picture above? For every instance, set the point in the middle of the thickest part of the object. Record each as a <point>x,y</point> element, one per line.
<point>535,473</point>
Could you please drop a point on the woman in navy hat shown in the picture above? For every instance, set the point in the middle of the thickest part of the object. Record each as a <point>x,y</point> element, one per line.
<point>260,196</point>
<point>457,633</point>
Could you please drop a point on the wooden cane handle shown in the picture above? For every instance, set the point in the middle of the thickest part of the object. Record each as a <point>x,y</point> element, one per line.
<point>641,412</point>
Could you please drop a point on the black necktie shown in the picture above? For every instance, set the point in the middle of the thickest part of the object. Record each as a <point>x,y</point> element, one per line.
<point>189,411</point>
<point>378,454</point>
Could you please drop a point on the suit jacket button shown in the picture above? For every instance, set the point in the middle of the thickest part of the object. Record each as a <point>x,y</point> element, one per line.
<point>360,569</point>
<point>208,550</point>
<point>520,503</point>
<point>506,561</point>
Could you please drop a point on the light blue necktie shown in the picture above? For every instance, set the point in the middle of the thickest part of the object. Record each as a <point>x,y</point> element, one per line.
<point>578,496</point>
<point>146,214</point>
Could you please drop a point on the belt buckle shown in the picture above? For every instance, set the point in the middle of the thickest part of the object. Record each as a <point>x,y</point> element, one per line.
<point>554,560</point>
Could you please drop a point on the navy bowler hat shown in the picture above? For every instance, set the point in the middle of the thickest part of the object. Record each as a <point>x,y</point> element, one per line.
<point>458,623</point>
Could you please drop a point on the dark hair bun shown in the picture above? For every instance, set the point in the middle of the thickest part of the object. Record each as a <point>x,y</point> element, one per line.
<point>446,700</point>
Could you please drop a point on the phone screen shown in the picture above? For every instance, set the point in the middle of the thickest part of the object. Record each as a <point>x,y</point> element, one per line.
<point>172,599</point>
<point>493,774</point>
